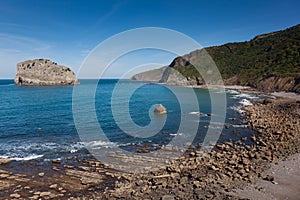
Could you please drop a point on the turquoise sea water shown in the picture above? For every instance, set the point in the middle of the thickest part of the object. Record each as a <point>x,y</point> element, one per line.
<point>38,123</point>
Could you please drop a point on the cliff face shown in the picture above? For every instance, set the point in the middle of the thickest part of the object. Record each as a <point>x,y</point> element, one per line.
<point>268,62</point>
<point>152,75</point>
<point>273,83</point>
<point>40,72</point>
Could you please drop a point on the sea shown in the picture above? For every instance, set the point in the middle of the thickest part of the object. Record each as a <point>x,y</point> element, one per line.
<point>37,123</point>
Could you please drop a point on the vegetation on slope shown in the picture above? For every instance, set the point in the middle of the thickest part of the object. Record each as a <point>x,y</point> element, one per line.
<point>269,62</point>
<point>274,54</point>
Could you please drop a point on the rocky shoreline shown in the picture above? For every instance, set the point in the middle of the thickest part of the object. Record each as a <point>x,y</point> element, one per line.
<point>196,175</point>
<point>213,175</point>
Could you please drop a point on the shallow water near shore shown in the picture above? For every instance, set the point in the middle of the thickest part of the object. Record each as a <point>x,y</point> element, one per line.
<point>36,123</point>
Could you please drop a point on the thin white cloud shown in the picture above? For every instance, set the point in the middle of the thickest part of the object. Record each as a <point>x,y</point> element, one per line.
<point>114,9</point>
<point>8,24</point>
<point>15,48</point>
<point>21,43</point>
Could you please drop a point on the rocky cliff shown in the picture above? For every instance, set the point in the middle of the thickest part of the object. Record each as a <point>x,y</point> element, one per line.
<point>40,72</point>
<point>152,75</point>
<point>269,62</point>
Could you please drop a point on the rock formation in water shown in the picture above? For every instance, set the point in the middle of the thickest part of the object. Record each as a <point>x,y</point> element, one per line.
<point>44,72</point>
<point>160,109</point>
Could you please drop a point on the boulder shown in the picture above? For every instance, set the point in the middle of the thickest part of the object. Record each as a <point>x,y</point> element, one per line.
<point>160,109</point>
<point>4,161</point>
<point>44,72</point>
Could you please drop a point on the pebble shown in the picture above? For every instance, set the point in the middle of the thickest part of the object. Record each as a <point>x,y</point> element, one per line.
<point>41,174</point>
<point>15,195</point>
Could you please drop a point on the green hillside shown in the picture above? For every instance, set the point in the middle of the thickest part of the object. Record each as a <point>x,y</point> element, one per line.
<point>268,62</point>
<point>274,54</point>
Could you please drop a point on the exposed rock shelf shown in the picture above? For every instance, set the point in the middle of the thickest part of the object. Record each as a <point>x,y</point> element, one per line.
<point>43,72</point>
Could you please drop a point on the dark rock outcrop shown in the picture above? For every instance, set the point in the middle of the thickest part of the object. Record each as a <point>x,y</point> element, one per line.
<point>43,72</point>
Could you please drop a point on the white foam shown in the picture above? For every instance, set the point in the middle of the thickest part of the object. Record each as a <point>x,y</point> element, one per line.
<point>32,150</point>
<point>232,92</point>
<point>99,143</point>
<point>26,158</point>
<point>245,102</point>
<point>240,126</point>
<point>176,134</point>
<point>243,95</point>
<point>237,109</point>
<point>76,147</point>
<point>195,113</point>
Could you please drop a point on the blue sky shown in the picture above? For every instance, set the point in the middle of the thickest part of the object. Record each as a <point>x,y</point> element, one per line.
<point>65,31</point>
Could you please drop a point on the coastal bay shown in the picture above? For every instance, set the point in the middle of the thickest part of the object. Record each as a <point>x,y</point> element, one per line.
<point>216,174</point>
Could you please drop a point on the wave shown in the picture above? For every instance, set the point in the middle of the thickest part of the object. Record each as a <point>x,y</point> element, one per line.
<point>237,109</point>
<point>26,158</point>
<point>195,113</point>
<point>176,134</point>
<point>33,150</point>
<point>243,95</point>
<point>232,92</point>
<point>240,126</point>
<point>7,85</point>
<point>245,102</point>
<point>99,143</point>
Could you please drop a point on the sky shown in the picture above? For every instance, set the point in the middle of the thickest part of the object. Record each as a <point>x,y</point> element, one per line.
<point>66,31</point>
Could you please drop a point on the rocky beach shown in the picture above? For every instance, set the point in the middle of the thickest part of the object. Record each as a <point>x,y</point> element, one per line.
<point>151,100</point>
<point>197,174</point>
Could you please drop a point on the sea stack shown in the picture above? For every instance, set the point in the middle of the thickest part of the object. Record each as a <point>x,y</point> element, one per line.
<point>160,109</point>
<point>44,72</point>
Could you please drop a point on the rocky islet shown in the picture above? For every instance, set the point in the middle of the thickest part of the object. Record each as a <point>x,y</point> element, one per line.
<point>43,72</point>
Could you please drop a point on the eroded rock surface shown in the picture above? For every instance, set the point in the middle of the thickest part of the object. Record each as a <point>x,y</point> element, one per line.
<point>40,72</point>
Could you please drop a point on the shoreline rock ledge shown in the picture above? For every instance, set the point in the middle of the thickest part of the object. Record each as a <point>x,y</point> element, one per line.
<point>44,72</point>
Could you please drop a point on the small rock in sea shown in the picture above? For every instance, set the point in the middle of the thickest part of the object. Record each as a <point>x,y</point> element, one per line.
<point>56,161</point>
<point>41,174</point>
<point>4,161</point>
<point>143,150</point>
<point>253,137</point>
<point>227,126</point>
<point>160,109</point>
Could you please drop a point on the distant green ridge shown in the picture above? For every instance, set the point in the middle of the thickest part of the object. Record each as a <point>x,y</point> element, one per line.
<point>269,62</point>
